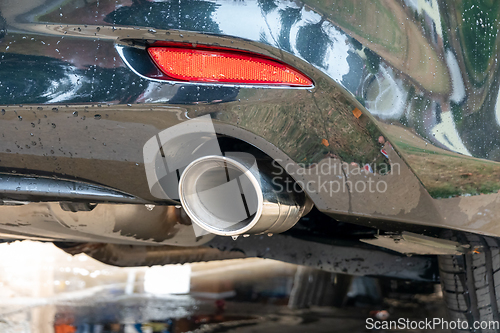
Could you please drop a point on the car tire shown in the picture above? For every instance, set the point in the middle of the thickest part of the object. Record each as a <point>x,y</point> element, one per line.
<point>471,282</point>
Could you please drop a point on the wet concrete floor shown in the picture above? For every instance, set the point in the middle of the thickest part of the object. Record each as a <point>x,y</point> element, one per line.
<point>43,290</point>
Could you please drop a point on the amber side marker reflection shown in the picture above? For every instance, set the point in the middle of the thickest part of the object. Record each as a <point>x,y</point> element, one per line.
<point>194,65</point>
<point>357,113</point>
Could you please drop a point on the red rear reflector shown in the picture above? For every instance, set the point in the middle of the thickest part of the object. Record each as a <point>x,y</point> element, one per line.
<point>224,67</point>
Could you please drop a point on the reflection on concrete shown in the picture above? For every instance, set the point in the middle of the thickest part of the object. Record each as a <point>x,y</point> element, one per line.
<point>40,285</point>
<point>43,289</point>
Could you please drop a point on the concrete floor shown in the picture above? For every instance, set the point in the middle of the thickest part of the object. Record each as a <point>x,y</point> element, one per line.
<point>43,289</point>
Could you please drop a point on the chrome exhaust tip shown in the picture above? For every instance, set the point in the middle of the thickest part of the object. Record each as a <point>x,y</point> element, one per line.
<point>230,196</point>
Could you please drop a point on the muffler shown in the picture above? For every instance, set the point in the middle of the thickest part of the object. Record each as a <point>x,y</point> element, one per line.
<point>234,195</point>
<point>141,255</point>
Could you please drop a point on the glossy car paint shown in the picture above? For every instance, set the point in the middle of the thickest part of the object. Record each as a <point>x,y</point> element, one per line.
<point>424,75</point>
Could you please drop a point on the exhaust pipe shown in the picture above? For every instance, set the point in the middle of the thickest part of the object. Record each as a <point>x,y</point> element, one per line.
<point>231,196</point>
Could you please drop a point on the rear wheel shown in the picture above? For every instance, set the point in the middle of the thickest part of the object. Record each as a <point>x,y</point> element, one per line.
<point>471,283</point>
